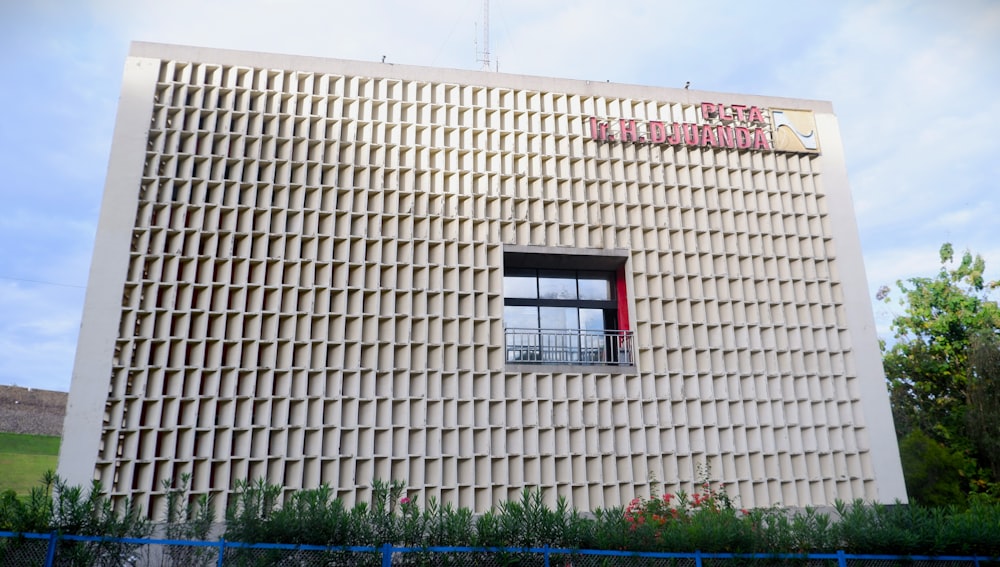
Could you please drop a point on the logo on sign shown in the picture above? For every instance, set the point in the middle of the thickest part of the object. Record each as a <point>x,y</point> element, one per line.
<point>794,130</point>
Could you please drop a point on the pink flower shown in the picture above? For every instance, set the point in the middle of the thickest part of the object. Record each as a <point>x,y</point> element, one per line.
<point>404,500</point>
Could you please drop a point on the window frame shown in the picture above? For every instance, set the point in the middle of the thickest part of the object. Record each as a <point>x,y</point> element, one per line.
<point>606,265</point>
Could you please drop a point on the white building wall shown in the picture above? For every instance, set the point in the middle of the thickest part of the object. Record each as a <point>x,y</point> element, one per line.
<point>314,294</point>
<point>99,346</point>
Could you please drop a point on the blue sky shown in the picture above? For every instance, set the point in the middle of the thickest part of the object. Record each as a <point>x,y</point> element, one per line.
<point>916,86</point>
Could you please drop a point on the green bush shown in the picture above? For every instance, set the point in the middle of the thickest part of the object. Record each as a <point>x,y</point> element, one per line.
<point>707,520</point>
<point>188,519</point>
<point>60,508</point>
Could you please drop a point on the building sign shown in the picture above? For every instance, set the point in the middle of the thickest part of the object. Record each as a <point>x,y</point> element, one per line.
<point>794,131</point>
<point>733,126</point>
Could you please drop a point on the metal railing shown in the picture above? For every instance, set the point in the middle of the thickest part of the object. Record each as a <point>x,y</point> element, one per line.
<point>570,346</point>
<point>53,550</point>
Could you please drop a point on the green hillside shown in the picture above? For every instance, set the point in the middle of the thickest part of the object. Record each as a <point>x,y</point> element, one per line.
<point>24,458</point>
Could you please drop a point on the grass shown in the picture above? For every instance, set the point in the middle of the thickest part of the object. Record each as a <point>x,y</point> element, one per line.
<point>24,458</point>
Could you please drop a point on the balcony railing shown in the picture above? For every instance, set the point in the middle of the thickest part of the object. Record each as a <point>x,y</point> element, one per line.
<point>573,346</point>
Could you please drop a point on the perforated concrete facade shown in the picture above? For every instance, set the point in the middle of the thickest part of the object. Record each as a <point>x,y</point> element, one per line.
<point>299,277</point>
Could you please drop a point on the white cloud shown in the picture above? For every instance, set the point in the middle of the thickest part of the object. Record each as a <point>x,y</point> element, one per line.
<point>916,87</point>
<point>959,217</point>
<point>38,333</point>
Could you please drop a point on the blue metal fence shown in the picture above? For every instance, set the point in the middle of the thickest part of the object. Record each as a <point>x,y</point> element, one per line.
<point>54,550</point>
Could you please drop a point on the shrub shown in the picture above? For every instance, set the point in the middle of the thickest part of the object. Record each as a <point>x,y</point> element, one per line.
<point>707,520</point>
<point>187,519</point>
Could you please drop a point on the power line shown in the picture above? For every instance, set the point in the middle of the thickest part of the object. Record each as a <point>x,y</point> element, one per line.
<point>42,282</point>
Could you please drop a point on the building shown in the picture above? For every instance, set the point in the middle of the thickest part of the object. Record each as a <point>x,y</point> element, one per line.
<point>323,271</point>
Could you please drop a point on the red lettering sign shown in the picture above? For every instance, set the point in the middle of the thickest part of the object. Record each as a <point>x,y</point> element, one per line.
<point>734,126</point>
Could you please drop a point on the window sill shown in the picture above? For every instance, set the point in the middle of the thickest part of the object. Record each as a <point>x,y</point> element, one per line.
<point>560,368</point>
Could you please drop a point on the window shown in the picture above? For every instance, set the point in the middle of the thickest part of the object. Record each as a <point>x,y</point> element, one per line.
<point>565,315</point>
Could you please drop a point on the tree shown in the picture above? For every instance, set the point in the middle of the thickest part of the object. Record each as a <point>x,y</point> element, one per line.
<point>984,399</point>
<point>932,473</point>
<point>934,385</point>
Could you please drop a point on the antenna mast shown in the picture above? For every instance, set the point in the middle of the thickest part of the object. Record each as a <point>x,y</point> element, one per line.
<point>484,55</point>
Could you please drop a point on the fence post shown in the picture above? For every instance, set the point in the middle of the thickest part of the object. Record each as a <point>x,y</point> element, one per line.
<point>50,553</point>
<point>546,555</point>
<point>222,552</point>
<point>697,558</point>
<point>841,558</point>
<point>387,555</point>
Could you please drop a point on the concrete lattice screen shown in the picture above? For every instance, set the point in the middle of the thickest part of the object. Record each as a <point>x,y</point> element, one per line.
<point>312,293</point>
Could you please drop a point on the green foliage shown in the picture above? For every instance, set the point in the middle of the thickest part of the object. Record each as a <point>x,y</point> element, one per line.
<point>446,525</point>
<point>933,382</point>
<point>913,529</point>
<point>882,529</point>
<point>529,522</point>
<point>58,507</point>
<point>975,530</point>
<point>984,399</point>
<point>933,473</point>
<point>808,531</point>
<point>248,518</point>
<point>90,512</point>
<point>707,520</point>
<point>188,518</point>
<point>385,498</point>
<point>28,515</point>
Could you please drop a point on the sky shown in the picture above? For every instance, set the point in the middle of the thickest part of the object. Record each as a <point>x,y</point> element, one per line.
<point>915,85</point>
